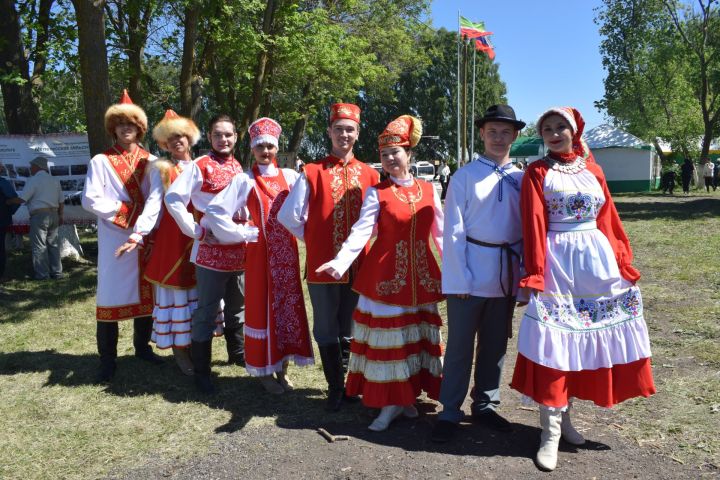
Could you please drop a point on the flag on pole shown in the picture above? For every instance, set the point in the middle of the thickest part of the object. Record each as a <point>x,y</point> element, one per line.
<point>472,30</point>
<point>482,44</point>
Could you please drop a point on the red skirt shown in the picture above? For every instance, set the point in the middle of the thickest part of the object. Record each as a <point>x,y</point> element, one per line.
<point>395,354</point>
<point>605,386</point>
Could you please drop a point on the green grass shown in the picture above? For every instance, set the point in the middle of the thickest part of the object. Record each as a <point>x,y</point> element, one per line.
<point>57,424</point>
<point>676,242</point>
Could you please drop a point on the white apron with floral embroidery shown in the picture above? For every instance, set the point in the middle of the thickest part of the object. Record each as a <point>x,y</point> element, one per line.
<point>588,317</point>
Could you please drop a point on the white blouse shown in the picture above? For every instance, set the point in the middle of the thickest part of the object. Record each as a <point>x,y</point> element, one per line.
<point>364,227</point>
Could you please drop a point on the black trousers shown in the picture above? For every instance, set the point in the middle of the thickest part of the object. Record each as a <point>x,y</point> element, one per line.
<point>3,253</point>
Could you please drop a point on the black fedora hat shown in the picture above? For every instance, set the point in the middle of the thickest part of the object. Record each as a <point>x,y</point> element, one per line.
<point>500,113</point>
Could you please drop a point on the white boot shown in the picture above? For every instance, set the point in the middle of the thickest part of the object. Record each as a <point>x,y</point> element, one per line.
<point>550,422</point>
<point>569,434</point>
<point>387,415</point>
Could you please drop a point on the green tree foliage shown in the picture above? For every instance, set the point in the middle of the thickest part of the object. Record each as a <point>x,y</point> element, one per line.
<point>663,64</point>
<point>288,59</point>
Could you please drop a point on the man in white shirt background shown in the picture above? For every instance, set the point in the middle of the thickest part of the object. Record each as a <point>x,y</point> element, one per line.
<point>44,199</point>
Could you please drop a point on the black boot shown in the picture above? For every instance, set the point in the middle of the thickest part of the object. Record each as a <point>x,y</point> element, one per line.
<point>201,353</point>
<point>142,331</point>
<point>345,343</point>
<point>331,358</point>
<point>107,338</point>
<point>235,340</point>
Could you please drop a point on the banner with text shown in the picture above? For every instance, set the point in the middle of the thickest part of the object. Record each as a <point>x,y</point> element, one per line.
<point>68,156</point>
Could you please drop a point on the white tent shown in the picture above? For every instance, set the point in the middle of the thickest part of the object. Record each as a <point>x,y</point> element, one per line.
<point>630,164</point>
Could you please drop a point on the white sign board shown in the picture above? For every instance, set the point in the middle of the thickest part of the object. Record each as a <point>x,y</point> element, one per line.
<point>68,157</point>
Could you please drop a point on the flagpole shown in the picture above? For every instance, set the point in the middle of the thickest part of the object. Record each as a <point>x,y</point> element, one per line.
<point>457,158</point>
<point>472,110</point>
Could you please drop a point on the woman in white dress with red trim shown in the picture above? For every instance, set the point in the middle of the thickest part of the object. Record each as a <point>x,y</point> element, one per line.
<point>583,334</point>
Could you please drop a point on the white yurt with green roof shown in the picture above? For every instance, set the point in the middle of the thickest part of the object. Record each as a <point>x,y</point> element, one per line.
<point>630,164</point>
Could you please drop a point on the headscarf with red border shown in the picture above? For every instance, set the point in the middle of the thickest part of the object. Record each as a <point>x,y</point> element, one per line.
<point>577,123</point>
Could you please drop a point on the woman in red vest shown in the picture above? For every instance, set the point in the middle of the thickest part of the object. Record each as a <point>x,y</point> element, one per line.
<point>168,267</point>
<point>397,346</point>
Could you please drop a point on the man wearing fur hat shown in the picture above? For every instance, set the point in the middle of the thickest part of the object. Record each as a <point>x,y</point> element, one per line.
<point>45,201</point>
<point>325,202</point>
<point>219,268</point>
<point>168,267</point>
<point>121,192</point>
<point>480,274</point>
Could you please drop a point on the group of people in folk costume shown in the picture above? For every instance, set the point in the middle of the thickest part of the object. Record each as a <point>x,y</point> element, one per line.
<point>582,336</point>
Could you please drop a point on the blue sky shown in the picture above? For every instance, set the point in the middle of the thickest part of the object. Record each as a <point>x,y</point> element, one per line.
<point>548,51</point>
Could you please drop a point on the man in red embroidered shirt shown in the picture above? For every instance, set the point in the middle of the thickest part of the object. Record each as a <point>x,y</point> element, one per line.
<point>326,202</point>
<point>219,268</point>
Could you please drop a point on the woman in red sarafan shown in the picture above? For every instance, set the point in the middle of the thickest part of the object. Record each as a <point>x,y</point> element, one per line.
<point>276,325</point>
<point>396,350</point>
<point>583,334</point>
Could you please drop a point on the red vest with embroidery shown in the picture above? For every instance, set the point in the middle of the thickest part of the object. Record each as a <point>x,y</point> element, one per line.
<point>131,176</point>
<point>400,268</point>
<point>336,195</point>
<point>169,264</point>
<point>217,176</point>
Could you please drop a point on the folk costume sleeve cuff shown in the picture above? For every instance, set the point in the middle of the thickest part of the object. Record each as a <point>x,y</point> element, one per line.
<point>126,215</point>
<point>360,233</point>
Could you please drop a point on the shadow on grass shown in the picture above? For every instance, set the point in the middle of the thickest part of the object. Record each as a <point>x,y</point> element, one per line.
<point>678,210</point>
<point>19,298</point>
<point>302,409</point>
<point>242,396</point>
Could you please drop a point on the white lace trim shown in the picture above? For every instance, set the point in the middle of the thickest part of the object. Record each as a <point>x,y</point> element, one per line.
<point>394,371</point>
<point>396,337</point>
<point>255,333</point>
<point>298,360</point>
<point>573,351</point>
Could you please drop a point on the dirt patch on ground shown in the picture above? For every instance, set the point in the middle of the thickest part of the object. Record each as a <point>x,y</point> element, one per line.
<point>404,451</point>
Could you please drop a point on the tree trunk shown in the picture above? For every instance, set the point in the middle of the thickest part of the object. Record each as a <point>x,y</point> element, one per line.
<point>92,53</point>
<point>187,69</point>
<point>253,107</point>
<point>40,53</point>
<point>658,150</point>
<point>298,133</point>
<point>139,17</point>
<point>21,112</point>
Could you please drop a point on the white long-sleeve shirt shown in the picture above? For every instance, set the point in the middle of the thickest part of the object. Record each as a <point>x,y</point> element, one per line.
<point>222,208</point>
<point>104,194</point>
<point>363,229</point>
<point>187,187</point>
<point>482,204</point>
<point>294,212</point>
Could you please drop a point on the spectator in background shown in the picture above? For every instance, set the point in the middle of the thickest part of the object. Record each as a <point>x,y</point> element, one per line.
<point>45,201</point>
<point>444,177</point>
<point>716,173</point>
<point>708,171</point>
<point>7,192</point>
<point>668,181</point>
<point>686,175</point>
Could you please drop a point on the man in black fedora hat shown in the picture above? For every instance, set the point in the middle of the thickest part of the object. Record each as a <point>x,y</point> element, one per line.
<point>480,272</point>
